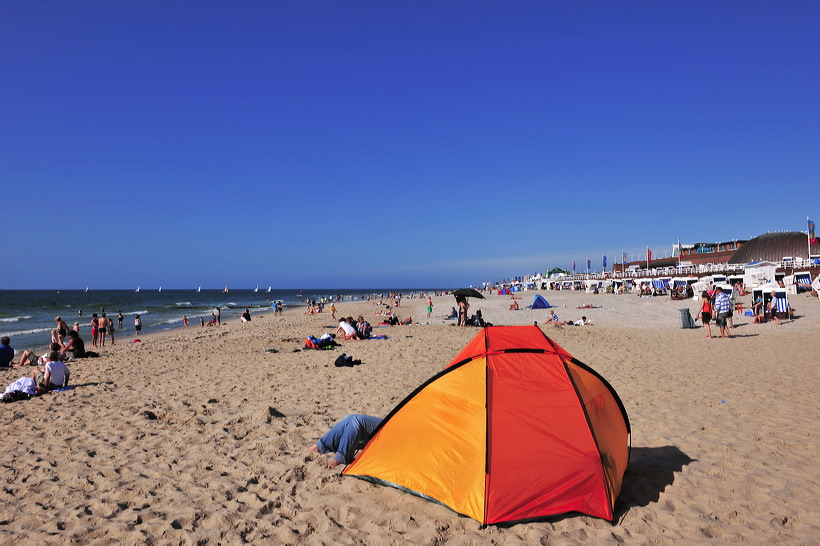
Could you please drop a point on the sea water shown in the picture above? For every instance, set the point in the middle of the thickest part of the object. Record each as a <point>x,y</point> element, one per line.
<point>27,316</point>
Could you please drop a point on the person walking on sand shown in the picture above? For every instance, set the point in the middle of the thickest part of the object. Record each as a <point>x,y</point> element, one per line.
<point>332,310</point>
<point>429,308</point>
<point>705,312</point>
<point>137,325</point>
<point>722,306</point>
<point>185,320</point>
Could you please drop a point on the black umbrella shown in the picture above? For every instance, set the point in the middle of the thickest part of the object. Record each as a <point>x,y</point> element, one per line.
<point>468,293</point>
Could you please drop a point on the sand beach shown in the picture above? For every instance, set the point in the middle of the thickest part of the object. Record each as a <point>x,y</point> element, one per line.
<point>198,435</point>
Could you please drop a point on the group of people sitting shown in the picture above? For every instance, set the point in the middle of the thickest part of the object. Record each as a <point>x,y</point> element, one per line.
<point>764,312</point>
<point>350,329</point>
<point>53,374</point>
<point>72,348</point>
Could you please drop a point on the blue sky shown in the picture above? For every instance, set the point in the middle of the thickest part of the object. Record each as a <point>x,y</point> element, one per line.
<point>394,144</point>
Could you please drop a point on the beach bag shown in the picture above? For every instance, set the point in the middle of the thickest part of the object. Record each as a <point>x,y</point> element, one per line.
<point>343,360</point>
<point>310,344</point>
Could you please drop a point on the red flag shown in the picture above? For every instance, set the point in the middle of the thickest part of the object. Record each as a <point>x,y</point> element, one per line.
<point>648,255</point>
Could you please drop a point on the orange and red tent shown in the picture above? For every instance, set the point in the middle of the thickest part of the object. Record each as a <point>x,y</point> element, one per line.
<point>514,428</point>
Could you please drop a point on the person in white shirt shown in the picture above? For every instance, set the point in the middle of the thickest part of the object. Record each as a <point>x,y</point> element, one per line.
<point>54,375</point>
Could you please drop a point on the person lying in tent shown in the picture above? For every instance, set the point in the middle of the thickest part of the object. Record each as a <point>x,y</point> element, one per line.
<point>346,437</point>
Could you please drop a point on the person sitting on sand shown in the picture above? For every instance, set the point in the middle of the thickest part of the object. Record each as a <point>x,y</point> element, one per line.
<point>75,347</point>
<point>453,314</point>
<point>553,318</point>
<point>246,316</point>
<point>514,306</point>
<point>346,330</point>
<point>55,375</point>
<point>346,437</point>
<point>363,328</point>
<point>6,352</point>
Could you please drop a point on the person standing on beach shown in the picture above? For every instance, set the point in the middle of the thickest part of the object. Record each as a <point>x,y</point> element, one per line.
<point>102,329</point>
<point>705,312</point>
<point>137,325</point>
<point>332,310</point>
<point>463,306</point>
<point>94,329</point>
<point>218,316</point>
<point>429,308</point>
<point>185,320</point>
<point>201,322</point>
<point>111,330</point>
<point>119,320</point>
<point>62,330</point>
<point>80,312</point>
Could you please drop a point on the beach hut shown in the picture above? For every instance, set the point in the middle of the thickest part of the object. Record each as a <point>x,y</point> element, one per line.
<point>682,286</point>
<point>513,429</point>
<point>759,273</point>
<point>798,282</point>
<point>765,292</point>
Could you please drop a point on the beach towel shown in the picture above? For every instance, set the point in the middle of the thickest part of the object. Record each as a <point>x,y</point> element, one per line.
<point>375,337</point>
<point>24,384</point>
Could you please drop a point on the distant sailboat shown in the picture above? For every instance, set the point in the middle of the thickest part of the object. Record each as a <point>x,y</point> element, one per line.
<point>199,289</point>
<point>226,288</point>
<point>137,290</point>
<point>269,289</point>
<point>86,289</point>
<point>256,289</point>
<point>160,289</point>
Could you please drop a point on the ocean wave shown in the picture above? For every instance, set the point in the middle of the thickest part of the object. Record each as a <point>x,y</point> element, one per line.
<point>27,332</point>
<point>169,321</point>
<point>135,313</point>
<point>16,319</point>
<point>184,304</point>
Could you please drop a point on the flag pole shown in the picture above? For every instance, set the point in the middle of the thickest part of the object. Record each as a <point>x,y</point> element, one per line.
<point>808,238</point>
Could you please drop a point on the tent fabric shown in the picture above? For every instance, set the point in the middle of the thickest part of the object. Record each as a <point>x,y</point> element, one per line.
<point>539,302</point>
<point>513,429</point>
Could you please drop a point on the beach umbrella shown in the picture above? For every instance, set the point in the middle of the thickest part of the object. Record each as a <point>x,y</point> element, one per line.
<point>468,293</point>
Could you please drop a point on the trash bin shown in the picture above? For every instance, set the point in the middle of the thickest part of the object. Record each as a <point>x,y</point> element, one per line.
<point>686,320</point>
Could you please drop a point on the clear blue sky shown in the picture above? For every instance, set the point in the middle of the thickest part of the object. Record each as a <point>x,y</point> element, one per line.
<point>394,144</point>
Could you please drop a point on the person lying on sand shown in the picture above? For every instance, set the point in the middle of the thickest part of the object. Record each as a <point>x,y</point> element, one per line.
<point>346,437</point>
<point>589,306</point>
